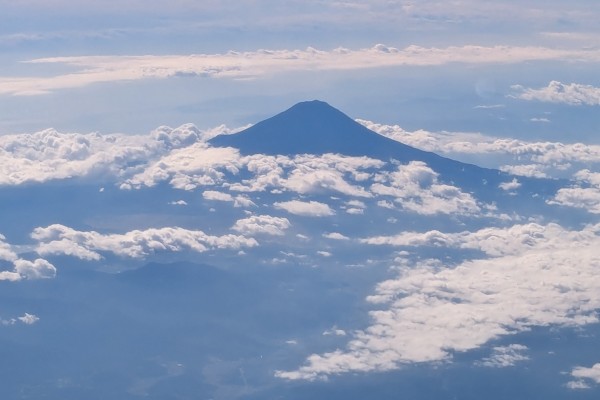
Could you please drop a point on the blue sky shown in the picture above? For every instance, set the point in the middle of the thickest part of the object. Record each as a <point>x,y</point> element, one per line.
<point>524,43</point>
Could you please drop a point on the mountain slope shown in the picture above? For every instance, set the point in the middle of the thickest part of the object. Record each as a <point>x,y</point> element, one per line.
<point>315,127</point>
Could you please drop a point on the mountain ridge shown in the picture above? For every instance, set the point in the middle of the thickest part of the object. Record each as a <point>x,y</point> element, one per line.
<point>315,127</point>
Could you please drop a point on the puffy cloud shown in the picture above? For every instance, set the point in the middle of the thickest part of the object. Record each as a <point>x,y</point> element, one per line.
<point>334,331</point>
<point>60,239</point>
<point>512,185</point>
<point>557,92</point>
<point>536,278</point>
<point>494,242</point>
<point>335,236</point>
<point>6,251</point>
<point>518,157</point>
<point>37,269</point>
<point>264,224</point>
<point>28,319</point>
<point>23,269</point>
<point>587,197</point>
<point>583,375</point>
<point>238,201</point>
<point>505,356</point>
<point>188,167</point>
<point>49,155</point>
<point>306,208</point>
<point>416,188</point>
<point>135,160</point>
<point>217,196</point>
<point>98,69</point>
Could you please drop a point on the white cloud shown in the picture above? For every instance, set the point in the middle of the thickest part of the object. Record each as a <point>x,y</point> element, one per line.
<point>49,155</point>
<point>335,236</point>
<point>37,269</point>
<point>188,167</point>
<point>355,211</point>
<point>557,92</point>
<point>178,203</point>
<point>23,269</point>
<point>505,356</point>
<point>314,173</point>
<point>217,196</point>
<point>60,239</point>
<point>6,251</point>
<point>334,331</point>
<point>324,253</point>
<point>512,185</point>
<point>578,385</point>
<point>264,224</point>
<point>587,197</point>
<point>28,319</point>
<point>416,188</point>
<point>535,278</point>
<point>101,69</point>
<point>583,375</point>
<point>305,208</point>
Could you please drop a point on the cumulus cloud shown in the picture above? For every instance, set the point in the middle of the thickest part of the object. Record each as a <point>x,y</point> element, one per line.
<point>415,187</point>
<point>135,160</point>
<point>583,375</point>
<point>430,312</point>
<point>23,269</point>
<point>512,185</point>
<point>264,224</point>
<point>37,269</point>
<point>59,239</point>
<point>335,236</point>
<point>305,208</point>
<point>518,157</point>
<point>48,155</point>
<point>188,167</point>
<point>505,356</point>
<point>100,69</point>
<point>580,196</point>
<point>27,319</point>
<point>557,92</point>
<point>238,201</point>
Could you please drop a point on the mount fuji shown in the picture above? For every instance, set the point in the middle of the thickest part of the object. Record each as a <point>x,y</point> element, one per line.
<point>304,257</point>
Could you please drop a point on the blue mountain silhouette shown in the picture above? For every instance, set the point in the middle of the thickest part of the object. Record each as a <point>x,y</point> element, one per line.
<point>315,127</point>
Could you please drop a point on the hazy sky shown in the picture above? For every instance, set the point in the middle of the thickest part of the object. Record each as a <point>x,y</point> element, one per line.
<point>438,65</point>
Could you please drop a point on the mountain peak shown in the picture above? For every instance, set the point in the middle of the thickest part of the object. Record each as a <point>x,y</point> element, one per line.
<point>313,127</point>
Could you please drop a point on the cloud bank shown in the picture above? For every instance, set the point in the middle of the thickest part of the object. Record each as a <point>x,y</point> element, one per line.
<point>242,65</point>
<point>556,92</point>
<point>537,276</point>
<point>61,240</point>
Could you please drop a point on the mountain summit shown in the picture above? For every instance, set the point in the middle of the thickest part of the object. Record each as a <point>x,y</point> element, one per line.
<point>314,127</point>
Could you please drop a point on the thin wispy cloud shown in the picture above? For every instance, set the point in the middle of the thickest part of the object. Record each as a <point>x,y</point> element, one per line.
<point>244,65</point>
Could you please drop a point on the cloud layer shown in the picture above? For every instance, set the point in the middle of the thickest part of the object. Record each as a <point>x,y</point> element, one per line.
<point>243,65</point>
<point>536,276</point>
<point>556,92</point>
<point>59,239</point>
